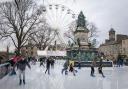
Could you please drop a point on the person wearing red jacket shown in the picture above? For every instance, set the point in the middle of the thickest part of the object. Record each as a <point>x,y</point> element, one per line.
<point>13,61</point>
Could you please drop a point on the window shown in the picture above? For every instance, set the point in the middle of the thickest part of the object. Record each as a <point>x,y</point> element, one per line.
<point>32,53</point>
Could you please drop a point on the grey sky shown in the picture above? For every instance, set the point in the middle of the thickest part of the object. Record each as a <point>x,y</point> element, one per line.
<point>103,13</point>
<point>106,14</point>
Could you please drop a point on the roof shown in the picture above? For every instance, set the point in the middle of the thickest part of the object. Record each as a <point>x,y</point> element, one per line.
<point>112,30</point>
<point>111,43</point>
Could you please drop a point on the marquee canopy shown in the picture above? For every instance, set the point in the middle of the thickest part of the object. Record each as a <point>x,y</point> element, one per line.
<point>51,53</point>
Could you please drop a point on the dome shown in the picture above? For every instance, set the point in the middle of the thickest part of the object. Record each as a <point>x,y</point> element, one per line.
<point>112,30</point>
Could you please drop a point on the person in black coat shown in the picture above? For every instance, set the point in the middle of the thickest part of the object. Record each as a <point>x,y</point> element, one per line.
<point>52,63</point>
<point>100,70</point>
<point>42,61</point>
<point>21,66</point>
<point>48,63</point>
<point>92,68</point>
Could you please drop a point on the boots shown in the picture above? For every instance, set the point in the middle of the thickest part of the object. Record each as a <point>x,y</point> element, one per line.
<point>24,81</point>
<point>20,82</point>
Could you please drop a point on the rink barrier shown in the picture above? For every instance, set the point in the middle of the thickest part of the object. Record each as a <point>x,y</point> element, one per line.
<point>88,64</point>
<point>126,63</point>
<point>4,69</point>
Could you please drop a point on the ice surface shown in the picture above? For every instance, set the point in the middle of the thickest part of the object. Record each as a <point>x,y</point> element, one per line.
<point>116,78</point>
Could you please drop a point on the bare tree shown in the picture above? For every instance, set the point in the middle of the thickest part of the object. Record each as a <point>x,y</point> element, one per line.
<point>70,33</point>
<point>92,34</point>
<point>18,18</point>
<point>92,31</point>
<point>44,36</point>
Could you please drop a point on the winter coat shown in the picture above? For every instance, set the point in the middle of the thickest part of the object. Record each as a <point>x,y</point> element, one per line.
<point>71,68</point>
<point>100,69</point>
<point>21,65</point>
<point>65,65</point>
<point>48,63</point>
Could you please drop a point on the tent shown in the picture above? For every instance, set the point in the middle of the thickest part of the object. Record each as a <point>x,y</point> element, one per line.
<point>51,53</point>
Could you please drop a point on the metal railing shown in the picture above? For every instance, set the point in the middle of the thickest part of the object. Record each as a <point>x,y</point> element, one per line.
<point>4,69</point>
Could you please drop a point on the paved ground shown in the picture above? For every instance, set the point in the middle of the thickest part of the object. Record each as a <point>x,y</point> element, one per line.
<point>116,78</point>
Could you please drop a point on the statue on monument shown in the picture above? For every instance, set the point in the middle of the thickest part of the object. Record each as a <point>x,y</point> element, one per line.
<point>81,20</point>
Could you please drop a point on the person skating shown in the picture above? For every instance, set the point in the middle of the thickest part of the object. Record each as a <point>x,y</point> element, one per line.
<point>71,69</point>
<point>79,65</point>
<point>100,70</point>
<point>48,63</point>
<point>119,60</point>
<point>92,68</point>
<point>13,62</point>
<point>65,68</point>
<point>21,66</point>
<point>42,62</point>
<point>52,63</point>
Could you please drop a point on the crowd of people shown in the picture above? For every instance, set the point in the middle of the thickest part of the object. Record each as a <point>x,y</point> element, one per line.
<point>47,62</point>
<point>20,62</point>
<point>119,62</point>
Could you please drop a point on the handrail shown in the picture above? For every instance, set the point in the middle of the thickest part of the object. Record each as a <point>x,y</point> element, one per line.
<point>4,69</point>
<point>4,64</point>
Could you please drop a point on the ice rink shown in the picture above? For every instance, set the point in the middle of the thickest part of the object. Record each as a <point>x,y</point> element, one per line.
<point>116,78</point>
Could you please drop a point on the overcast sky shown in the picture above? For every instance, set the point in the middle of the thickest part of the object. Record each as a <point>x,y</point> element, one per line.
<point>103,13</point>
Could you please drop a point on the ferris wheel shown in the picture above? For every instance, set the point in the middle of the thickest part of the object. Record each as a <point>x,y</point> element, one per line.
<point>59,17</point>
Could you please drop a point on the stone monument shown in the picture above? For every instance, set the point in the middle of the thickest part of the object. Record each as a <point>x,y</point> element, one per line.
<point>81,32</point>
<point>80,50</point>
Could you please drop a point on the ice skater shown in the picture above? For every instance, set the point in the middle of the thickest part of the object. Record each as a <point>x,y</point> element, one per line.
<point>12,72</point>
<point>42,62</point>
<point>71,69</point>
<point>48,63</point>
<point>21,65</point>
<point>100,70</point>
<point>79,65</point>
<point>13,62</point>
<point>92,69</point>
<point>65,68</point>
<point>52,63</point>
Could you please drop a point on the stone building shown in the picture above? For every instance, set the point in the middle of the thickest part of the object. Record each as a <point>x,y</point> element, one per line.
<point>125,47</point>
<point>112,46</point>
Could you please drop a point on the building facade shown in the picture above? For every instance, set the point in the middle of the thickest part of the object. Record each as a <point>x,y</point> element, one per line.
<point>114,45</point>
<point>125,47</point>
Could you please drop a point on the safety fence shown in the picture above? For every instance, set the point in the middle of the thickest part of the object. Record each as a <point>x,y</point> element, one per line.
<point>4,69</point>
<point>88,64</point>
